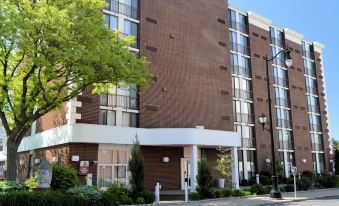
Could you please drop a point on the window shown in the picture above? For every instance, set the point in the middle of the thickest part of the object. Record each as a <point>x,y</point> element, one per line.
<point>251,163</point>
<point>232,18</point>
<point>107,117</point>
<point>129,119</point>
<point>240,164</point>
<point>111,21</point>
<point>130,28</point>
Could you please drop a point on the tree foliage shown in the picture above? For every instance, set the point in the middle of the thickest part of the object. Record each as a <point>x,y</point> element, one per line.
<point>50,51</point>
<point>136,167</point>
<point>224,162</point>
<point>204,179</point>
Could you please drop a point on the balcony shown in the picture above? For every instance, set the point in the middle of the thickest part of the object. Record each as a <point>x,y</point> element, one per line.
<point>313,108</point>
<point>282,102</point>
<point>307,54</point>
<point>315,127</point>
<point>240,48</point>
<point>286,145</point>
<point>136,40</point>
<point>239,26</point>
<point>243,118</point>
<point>122,101</point>
<point>283,123</point>
<point>242,94</point>
<point>312,90</point>
<point>240,71</point>
<point>281,81</point>
<point>317,147</point>
<point>248,142</point>
<point>121,8</point>
<point>277,42</point>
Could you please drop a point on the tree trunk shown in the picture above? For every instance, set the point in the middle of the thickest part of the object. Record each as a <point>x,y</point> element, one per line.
<point>12,149</point>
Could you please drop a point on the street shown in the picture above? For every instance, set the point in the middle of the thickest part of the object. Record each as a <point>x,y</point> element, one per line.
<point>332,201</point>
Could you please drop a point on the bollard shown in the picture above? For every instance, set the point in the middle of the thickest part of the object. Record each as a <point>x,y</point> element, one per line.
<point>186,192</point>
<point>257,178</point>
<point>157,193</point>
<point>89,179</point>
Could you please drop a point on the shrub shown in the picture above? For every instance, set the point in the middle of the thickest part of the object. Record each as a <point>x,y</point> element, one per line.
<point>194,196</point>
<point>217,193</point>
<point>244,182</point>
<point>265,180</point>
<point>149,197</point>
<point>120,193</point>
<point>11,186</point>
<point>289,188</point>
<point>336,161</point>
<point>307,173</point>
<point>136,167</point>
<point>88,193</point>
<point>259,189</point>
<point>204,179</point>
<point>327,181</point>
<point>140,200</point>
<point>63,177</point>
<point>337,184</point>
<point>251,182</point>
<point>32,182</point>
<point>226,192</point>
<point>237,193</point>
<point>304,183</point>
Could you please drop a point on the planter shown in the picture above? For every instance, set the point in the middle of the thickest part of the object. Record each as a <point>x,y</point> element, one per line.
<point>221,183</point>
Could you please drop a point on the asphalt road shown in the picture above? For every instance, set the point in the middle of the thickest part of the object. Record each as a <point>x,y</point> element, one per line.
<point>332,201</point>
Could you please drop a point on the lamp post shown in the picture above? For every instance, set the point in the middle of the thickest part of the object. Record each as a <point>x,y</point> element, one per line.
<point>275,192</point>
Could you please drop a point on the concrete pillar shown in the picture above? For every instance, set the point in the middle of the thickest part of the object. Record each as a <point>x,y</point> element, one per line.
<point>286,165</point>
<point>246,169</point>
<point>194,167</point>
<point>235,172</point>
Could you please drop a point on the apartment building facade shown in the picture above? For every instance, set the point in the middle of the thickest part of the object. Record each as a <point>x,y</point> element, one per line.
<point>208,89</point>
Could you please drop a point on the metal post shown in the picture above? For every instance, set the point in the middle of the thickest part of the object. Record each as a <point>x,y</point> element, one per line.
<point>186,192</point>
<point>157,193</point>
<point>295,187</point>
<point>275,193</point>
<point>257,180</point>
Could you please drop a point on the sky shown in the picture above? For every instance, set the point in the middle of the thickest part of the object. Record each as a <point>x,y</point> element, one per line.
<point>317,21</point>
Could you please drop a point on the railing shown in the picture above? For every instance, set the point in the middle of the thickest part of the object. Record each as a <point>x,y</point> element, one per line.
<point>240,48</point>
<point>248,142</point>
<point>136,40</point>
<point>315,127</point>
<point>242,94</point>
<point>284,123</point>
<point>286,145</point>
<point>312,90</point>
<point>239,26</point>
<point>313,108</point>
<point>280,81</point>
<point>307,54</point>
<point>310,72</point>
<point>317,147</point>
<point>123,101</point>
<point>121,8</point>
<point>282,102</point>
<point>243,118</point>
<point>240,71</point>
<point>277,42</point>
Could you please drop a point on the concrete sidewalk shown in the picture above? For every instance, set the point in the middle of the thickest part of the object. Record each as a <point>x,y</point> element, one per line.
<point>262,199</point>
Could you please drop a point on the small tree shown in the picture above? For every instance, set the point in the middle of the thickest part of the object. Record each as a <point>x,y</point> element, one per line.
<point>224,162</point>
<point>136,167</point>
<point>204,179</point>
<point>336,162</point>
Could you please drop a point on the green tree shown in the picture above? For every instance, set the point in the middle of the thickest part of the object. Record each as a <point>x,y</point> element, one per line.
<point>336,161</point>
<point>224,162</point>
<point>136,167</point>
<point>50,51</point>
<point>204,179</point>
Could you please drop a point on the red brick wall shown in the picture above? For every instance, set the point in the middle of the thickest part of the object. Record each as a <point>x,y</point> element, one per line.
<point>86,152</point>
<point>52,119</point>
<point>167,174</point>
<point>189,57</point>
<point>90,107</point>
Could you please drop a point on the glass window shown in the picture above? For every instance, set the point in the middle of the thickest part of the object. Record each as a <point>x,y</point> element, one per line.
<point>232,15</point>
<point>133,3</point>
<point>130,28</point>
<point>129,119</point>
<point>234,59</point>
<point>111,21</point>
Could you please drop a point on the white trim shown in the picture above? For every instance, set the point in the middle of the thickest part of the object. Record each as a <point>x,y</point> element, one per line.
<point>318,47</point>
<point>92,133</point>
<point>293,36</point>
<point>259,21</point>
<point>72,115</point>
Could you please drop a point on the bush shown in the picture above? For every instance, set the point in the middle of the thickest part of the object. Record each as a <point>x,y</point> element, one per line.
<point>259,189</point>
<point>337,184</point>
<point>194,196</point>
<point>204,179</point>
<point>237,193</point>
<point>63,177</point>
<point>226,192</point>
<point>217,193</point>
<point>136,167</point>
<point>289,188</point>
<point>265,180</point>
<point>32,182</point>
<point>120,193</point>
<point>149,197</point>
<point>11,186</point>
<point>307,173</point>
<point>140,200</point>
<point>88,193</point>
<point>327,181</point>
<point>251,182</point>
<point>304,183</point>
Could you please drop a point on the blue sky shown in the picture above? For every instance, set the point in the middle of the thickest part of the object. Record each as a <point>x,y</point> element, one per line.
<point>317,21</point>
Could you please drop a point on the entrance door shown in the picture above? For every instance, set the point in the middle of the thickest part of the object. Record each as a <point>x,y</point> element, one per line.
<point>185,172</point>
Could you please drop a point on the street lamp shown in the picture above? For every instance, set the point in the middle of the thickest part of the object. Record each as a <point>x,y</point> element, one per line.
<point>275,192</point>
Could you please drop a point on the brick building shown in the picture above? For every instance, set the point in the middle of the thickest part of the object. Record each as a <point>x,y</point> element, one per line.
<point>208,89</point>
